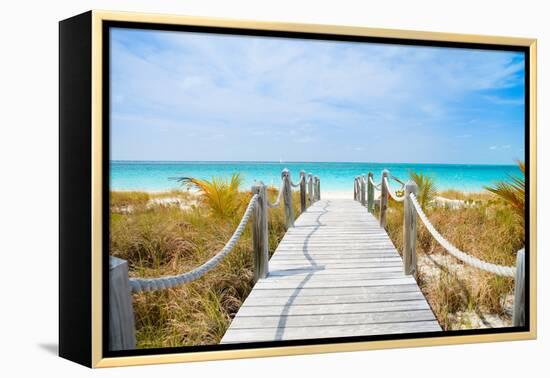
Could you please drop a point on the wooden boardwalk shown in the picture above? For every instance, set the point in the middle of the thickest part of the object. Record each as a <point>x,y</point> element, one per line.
<point>335,274</point>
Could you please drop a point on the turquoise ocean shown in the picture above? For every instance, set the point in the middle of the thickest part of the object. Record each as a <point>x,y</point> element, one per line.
<point>157,175</point>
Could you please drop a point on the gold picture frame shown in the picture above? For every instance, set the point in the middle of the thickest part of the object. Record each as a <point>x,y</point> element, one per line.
<point>94,21</point>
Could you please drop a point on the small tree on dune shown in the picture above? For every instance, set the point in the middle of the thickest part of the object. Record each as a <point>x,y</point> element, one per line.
<point>512,192</point>
<point>220,195</point>
<point>427,191</point>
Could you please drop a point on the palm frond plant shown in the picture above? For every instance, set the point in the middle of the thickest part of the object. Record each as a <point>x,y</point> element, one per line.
<point>427,190</point>
<point>220,195</point>
<point>512,192</point>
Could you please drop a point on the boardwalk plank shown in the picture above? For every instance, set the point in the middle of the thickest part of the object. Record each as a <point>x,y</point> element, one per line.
<point>332,319</point>
<point>320,332</point>
<point>332,291</point>
<point>317,272</point>
<point>338,308</point>
<point>265,300</point>
<point>335,274</point>
<point>339,265</point>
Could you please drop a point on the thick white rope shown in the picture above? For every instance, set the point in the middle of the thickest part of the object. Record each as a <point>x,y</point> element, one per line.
<point>392,194</point>
<point>298,184</point>
<point>507,271</point>
<point>279,196</point>
<point>148,284</point>
<point>398,181</point>
<point>376,187</point>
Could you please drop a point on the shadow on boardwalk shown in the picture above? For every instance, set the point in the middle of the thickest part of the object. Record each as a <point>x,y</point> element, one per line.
<point>335,274</point>
<point>314,267</point>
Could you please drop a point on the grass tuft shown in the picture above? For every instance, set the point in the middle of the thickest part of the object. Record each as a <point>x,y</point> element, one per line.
<point>160,239</point>
<point>489,231</point>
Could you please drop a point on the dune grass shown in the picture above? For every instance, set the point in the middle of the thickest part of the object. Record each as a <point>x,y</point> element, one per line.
<point>160,239</point>
<point>164,238</point>
<point>220,195</point>
<point>512,192</point>
<point>467,197</point>
<point>125,199</point>
<point>489,230</point>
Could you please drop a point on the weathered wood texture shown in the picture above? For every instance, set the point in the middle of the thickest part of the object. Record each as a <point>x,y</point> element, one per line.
<point>310,188</point>
<point>287,197</point>
<point>370,193</point>
<point>383,199</point>
<point>363,190</point>
<point>409,230</point>
<point>318,189</point>
<point>303,201</point>
<point>316,194</point>
<point>260,237</point>
<point>335,274</point>
<point>121,312</point>
<point>519,292</point>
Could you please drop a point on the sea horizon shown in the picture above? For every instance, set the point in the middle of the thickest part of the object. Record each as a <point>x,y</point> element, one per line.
<point>158,176</point>
<point>299,161</point>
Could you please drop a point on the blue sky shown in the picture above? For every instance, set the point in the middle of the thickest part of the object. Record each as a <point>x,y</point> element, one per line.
<point>190,96</point>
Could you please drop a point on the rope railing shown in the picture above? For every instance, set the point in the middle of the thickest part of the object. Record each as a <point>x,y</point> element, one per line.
<point>298,183</point>
<point>500,270</point>
<point>392,194</point>
<point>121,314</point>
<point>376,186</point>
<point>279,196</point>
<point>148,284</point>
<point>412,209</point>
<point>396,179</point>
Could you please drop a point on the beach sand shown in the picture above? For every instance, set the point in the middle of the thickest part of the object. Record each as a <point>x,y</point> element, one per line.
<point>332,194</point>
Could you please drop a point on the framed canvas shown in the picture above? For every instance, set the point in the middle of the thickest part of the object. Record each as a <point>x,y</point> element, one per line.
<point>234,189</point>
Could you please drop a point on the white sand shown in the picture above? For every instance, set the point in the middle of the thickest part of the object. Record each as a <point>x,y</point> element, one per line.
<point>431,268</point>
<point>451,203</point>
<point>178,201</point>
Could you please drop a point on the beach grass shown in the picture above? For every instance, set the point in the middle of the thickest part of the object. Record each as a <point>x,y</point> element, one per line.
<point>167,233</point>
<point>160,238</point>
<point>124,199</point>
<point>488,229</point>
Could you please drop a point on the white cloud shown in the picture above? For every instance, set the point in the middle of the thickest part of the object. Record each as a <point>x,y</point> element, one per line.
<point>271,88</point>
<point>305,79</point>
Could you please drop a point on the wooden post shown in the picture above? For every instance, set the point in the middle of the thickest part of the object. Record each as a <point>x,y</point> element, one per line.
<point>259,233</point>
<point>409,230</point>
<point>121,313</point>
<point>303,200</point>
<point>370,193</point>
<point>363,197</point>
<point>310,188</point>
<point>316,188</point>
<point>355,189</point>
<point>287,195</point>
<point>383,199</point>
<point>358,179</point>
<point>518,318</point>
